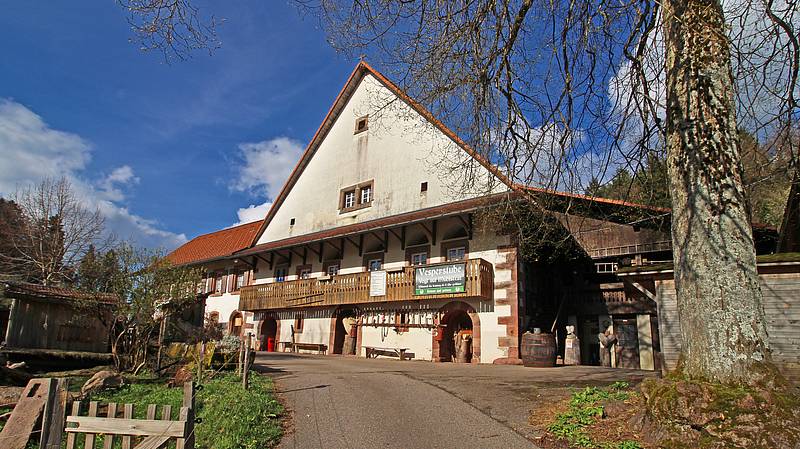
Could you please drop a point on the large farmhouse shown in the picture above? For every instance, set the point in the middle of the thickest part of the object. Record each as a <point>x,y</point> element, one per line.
<point>375,246</point>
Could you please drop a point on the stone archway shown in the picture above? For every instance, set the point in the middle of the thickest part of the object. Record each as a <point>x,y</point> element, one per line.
<point>269,333</point>
<point>454,314</point>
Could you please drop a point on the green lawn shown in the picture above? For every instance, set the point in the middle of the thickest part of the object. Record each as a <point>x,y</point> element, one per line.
<point>232,418</point>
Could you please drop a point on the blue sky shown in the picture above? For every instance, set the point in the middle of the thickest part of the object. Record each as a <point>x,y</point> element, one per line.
<point>167,151</point>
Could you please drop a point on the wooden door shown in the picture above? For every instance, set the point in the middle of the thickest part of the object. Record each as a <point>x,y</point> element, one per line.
<point>628,343</point>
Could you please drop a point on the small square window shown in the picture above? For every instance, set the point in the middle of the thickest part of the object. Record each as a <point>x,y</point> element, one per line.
<point>349,199</point>
<point>291,222</point>
<point>375,265</point>
<point>361,124</point>
<point>304,273</point>
<point>423,187</point>
<point>333,269</point>
<point>419,258</point>
<point>456,253</point>
<point>366,194</point>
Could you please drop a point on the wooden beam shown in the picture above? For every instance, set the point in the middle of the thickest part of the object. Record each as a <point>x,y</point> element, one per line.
<point>403,238</point>
<point>645,291</point>
<point>467,223</point>
<point>433,232</point>
<point>359,245</point>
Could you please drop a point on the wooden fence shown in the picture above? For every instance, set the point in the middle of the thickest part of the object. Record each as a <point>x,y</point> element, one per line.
<point>42,406</point>
<point>153,432</point>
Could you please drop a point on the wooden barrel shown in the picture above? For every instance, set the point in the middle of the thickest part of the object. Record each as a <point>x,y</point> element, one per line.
<point>538,350</point>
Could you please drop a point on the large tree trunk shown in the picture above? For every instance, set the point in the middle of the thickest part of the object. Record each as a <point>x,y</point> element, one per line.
<point>723,331</point>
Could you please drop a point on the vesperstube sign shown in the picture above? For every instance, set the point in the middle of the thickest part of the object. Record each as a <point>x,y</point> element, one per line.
<point>440,279</point>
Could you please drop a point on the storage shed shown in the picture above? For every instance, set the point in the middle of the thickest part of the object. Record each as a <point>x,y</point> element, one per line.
<point>54,318</point>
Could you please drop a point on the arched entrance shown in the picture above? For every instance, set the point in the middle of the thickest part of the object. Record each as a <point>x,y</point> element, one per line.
<point>345,333</point>
<point>235,324</point>
<point>269,334</point>
<point>460,323</point>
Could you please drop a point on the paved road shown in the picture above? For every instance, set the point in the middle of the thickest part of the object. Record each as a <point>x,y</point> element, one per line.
<point>345,402</point>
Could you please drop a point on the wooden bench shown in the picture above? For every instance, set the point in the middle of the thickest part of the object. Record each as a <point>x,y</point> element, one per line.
<point>373,352</point>
<point>319,347</point>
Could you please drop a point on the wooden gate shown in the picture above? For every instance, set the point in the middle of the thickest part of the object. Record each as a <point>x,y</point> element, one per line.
<point>152,433</point>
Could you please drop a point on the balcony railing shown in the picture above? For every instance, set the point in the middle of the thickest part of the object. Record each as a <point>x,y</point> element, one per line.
<point>355,289</point>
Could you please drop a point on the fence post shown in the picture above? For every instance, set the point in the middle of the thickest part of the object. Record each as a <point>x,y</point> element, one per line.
<point>187,414</point>
<point>240,361</point>
<point>246,367</point>
<point>54,415</point>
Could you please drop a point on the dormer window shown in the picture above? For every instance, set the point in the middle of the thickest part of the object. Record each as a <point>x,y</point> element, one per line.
<point>361,124</point>
<point>356,197</point>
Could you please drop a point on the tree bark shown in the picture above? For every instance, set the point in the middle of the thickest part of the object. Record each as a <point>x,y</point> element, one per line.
<point>724,337</point>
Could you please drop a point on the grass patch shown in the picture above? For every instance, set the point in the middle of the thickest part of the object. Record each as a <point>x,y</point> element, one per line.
<point>585,409</point>
<point>232,418</point>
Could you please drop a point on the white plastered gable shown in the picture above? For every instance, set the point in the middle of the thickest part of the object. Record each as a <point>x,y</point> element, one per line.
<point>399,151</point>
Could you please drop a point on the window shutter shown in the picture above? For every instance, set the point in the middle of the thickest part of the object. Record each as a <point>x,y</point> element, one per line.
<point>222,289</point>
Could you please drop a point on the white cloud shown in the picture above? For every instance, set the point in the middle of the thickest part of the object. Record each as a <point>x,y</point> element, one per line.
<point>253,212</point>
<point>265,167</point>
<point>32,151</point>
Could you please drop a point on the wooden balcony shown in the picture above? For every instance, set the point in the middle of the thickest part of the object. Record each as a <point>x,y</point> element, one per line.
<point>355,289</point>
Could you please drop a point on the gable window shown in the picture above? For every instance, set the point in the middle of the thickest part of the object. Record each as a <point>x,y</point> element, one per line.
<point>281,273</point>
<point>362,124</point>
<point>349,200</point>
<point>366,194</point>
<point>356,197</point>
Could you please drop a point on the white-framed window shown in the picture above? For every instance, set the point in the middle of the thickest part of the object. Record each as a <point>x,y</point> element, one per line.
<point>281,273</point>
<point>457,253</point>
<point>366,195</point>
<point>349,199</point>
<point>239,280</point>
<point>304,273</point>
<point>218,283</point>
<point>419,258</point>
<point>333,269</point>
<point>375,264</point>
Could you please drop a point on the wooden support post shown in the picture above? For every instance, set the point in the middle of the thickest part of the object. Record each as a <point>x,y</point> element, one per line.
<point>246,373</point>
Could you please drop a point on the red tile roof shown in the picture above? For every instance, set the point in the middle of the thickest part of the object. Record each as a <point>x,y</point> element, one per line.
<point>215,245</point>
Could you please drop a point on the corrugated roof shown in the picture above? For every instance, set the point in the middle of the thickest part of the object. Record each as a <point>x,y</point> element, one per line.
<point>26,290</point>
<point>215,245</point>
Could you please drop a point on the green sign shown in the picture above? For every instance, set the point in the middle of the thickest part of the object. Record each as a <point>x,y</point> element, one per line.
<point>440,279</point>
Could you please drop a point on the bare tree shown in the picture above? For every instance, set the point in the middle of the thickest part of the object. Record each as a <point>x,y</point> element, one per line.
<point>562,93</point>
<point>55,232</point>
<point>175,28</point>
